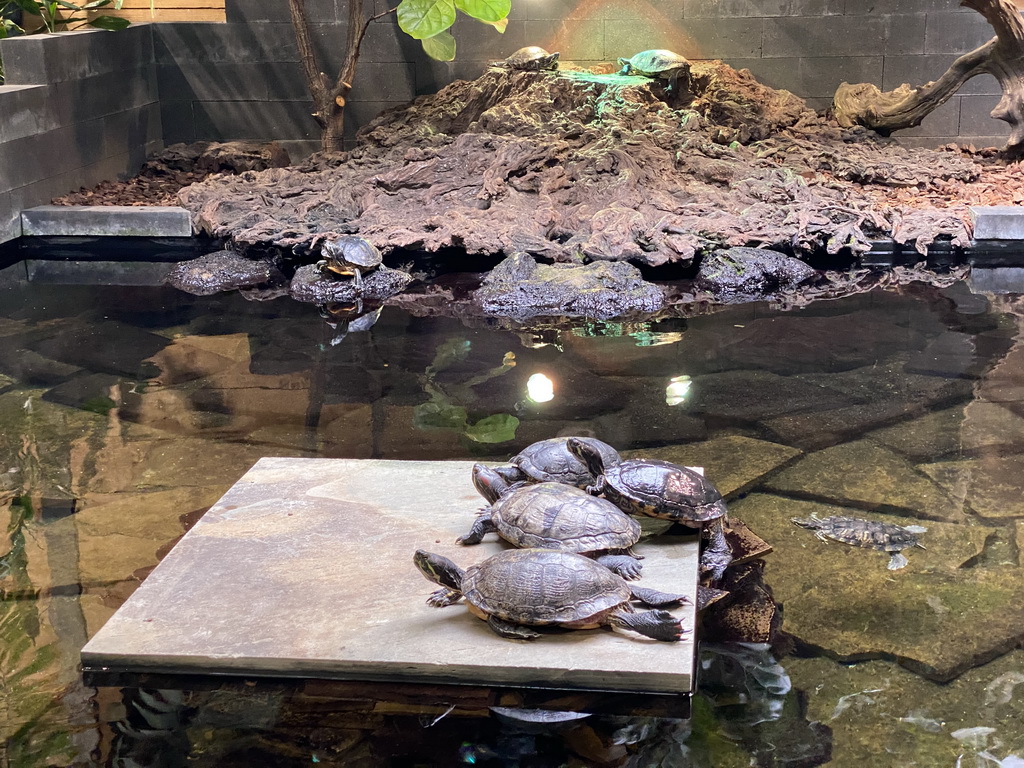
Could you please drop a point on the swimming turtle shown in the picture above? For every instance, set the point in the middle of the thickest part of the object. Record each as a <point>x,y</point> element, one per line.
<point>556,516</point>
<point>659,64</point>
<point>349,256</point>
<point>532,58</point>
<point>665,490</point>
<point>520,588</point>
<point>550,461</point>
<point>871,534</point>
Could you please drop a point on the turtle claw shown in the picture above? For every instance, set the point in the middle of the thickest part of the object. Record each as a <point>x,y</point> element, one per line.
<point>443,598</point>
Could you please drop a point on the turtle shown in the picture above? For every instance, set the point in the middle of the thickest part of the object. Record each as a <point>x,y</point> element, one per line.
<point>522,588</point>
<point>349,256</point>
<point>550,461</point>
<point>659,64</point>
<point>532,58</point>
<point>556,516</point>
<point>665,490</point>
<point>871,534</point>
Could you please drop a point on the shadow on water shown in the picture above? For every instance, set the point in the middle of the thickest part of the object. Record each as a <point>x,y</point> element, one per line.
<point>127,410</point>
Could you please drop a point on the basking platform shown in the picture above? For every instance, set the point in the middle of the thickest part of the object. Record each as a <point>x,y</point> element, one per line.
<point>304,570</point>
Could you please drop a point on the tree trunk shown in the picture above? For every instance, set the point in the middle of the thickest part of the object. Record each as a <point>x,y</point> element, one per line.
<point>905,107</point>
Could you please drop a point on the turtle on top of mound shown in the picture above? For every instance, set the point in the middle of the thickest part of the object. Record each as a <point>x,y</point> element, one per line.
<point>871,534</point>
<point>659,64</point>
<point>531,58</point>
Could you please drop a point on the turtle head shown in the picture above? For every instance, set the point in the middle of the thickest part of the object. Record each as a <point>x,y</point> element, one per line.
<point>550,61</point>
<point>439,569</point>
<point>588,454</point>
<point>624,63</point>
<point>489,483</point>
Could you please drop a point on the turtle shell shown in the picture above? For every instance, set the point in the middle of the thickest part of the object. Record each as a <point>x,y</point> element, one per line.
<point>870,534</point>
<point>662,489</point>
<point>555,516</point>
<point>542,586</point>
<point>550,461</point>
<point>349,251</point>
<point>654,63</point>
<point>532,57</point>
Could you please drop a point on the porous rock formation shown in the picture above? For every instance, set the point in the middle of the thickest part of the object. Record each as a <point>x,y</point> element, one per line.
<point>575,164</point>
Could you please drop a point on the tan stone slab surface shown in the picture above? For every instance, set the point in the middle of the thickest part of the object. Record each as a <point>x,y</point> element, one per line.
<point>304,568</point>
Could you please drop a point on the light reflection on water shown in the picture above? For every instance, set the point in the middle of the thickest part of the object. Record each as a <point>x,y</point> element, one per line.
<point>126,412</point>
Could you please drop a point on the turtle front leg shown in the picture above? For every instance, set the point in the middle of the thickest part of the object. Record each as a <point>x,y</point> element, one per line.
<point>657,625</point>
<point>357,279</point>
<point>443,597</point>
<point>717,553</point>
<point>483,525</point>
<point>627,567</point>
<point>510,630</point>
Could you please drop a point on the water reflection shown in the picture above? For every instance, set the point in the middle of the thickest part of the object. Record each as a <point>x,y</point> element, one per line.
<point>126,412</point>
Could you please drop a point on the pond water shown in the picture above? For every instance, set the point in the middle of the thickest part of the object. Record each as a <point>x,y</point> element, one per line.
<point>126,411</point>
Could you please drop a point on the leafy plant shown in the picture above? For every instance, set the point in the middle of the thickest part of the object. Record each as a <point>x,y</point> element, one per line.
<point>63,15</point>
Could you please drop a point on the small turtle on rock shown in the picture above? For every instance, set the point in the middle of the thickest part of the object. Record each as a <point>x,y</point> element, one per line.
<point>522,588</point>
<point>659,64</point>
<point>532,58</point>
<point>549,461</point>
<point>871,534</point>
<point>667,491</point>
<point>556,516</point>
<point>349,256</point>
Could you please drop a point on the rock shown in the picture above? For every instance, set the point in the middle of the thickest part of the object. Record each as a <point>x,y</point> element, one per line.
<point>743,274</point>
<point>935,616</point>
<point>990,486</point>
<point>750,396</point>
<point>749,614</point>
<point>223,270</point>
<point>734,464</point>
<point>520,287</point>
<point>310,286</point>
<point>215,157</point>
<point>29,367</point>
<point>868,477</point>
<point>965,430</point>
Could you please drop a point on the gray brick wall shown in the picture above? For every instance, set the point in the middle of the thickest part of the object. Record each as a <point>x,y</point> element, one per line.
<point>78,108</point>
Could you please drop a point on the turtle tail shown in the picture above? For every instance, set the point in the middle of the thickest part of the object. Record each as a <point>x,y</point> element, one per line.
<point>657,625</point>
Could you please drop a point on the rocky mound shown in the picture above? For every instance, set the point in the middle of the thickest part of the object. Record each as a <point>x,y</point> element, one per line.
<point>575,164</point>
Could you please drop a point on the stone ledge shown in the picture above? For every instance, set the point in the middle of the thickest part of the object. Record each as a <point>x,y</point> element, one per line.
<point>998,222</point>
<point>106,220</point>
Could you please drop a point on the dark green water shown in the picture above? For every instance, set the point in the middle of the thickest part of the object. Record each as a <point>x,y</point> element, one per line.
<point>125,412</point>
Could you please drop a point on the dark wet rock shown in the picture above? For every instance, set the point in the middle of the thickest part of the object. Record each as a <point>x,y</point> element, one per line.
<point>749,614</point>
<point>29,367</point>
<point>520,287</point>
<point>977,427</point>
<point>935,616</point>
<point>744,274</point>
<point>223,270</point>
<point>648,419</point>
<point>867,476</point>
<point>952,355</point>
<point>737,397</point>
<point>312,287</point>
<point>991,485</point>
<point>88,346</point>
<point>735,464</point>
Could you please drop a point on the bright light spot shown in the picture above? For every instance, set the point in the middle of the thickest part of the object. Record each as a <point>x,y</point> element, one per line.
<point>540,388</point>
<point>677,390</point>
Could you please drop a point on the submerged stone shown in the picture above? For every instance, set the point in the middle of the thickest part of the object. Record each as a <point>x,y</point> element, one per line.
<point>936,616</point>
<point>976,426</point>
<point>742,274</point>
<point>990,486</point>
<point>734,464</point>
<point>223,270</point>
<point>520,287</point>
<point>866,476</point>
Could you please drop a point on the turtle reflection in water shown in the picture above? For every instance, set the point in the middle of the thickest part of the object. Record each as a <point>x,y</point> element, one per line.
<point>522,588</point>
<point>871,534</point>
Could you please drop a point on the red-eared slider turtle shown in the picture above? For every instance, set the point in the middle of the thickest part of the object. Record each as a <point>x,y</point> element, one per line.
<point>350,257</point>
<point>871,534</point>
<point>659,64</point>
<point>669,491</point>
<point>532,58</point>
<point>520,588</point>
<point>556,516</point>
<point>549,461</point>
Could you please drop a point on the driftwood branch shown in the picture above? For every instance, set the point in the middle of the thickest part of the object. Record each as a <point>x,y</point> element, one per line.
<point>905,107</point>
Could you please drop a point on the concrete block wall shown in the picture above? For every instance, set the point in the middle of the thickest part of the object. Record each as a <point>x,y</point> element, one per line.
<point>242,79</point>
<point>78,108</point>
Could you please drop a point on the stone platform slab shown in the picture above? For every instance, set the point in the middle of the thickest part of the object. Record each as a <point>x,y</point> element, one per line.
<point>106,221</point>
<point>304,569</point>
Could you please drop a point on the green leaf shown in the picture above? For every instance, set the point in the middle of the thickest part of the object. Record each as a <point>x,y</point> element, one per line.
<point>448,354</point>
<point>499,428</point>
<point>485,10</point>
<point>69,6</point>
<point>501,24</point>
<point>435,415</point>
<point>421,19</point>
<point>30,6</point>
<point>97,4</point>
<point>109,22</point>
<point>440,47</point>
